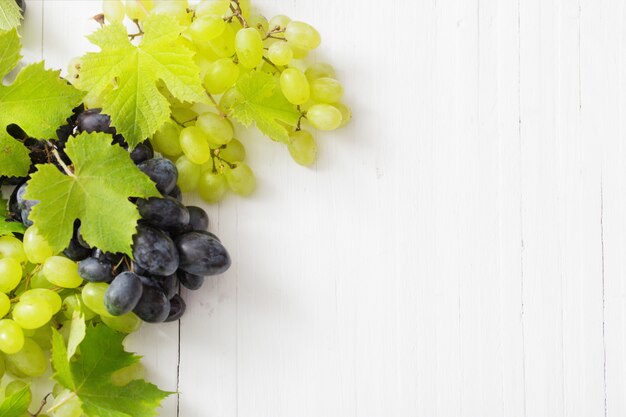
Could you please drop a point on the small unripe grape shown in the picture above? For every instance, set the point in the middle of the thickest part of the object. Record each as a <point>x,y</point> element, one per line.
<point>212,186</point>
<point>279,22</point>
<point>10,274</point>
<point>295,86</point>
<point>62,272</point>
<point>113,10</point>
<point>280,53</point>
<point>138,9</point>
<point>221,75</point>
<point>167,140</point>
<point>218,128</point>
<point>127,323</point>
<point>205,28</point>
<point>234,151</point>
<point>302,147</point>
<point>36,247</point>
<point>240,179</point>
<point>320,70</point>
<point>249,47</point>
<point>326,90</point>
<point>11,247</point>
<point>11,336</point>
<point>259,22</point>
<point>224,45</point>
<point>188,174</point>
<point>195,145</point>
<point>324,117</point>
<point>302,35</point>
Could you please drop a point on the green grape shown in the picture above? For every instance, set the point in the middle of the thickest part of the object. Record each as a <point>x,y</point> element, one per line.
<point>320,70</point>
<point>240,179</point>
<point>212,7</point>
<point>231,98</point>
<point>302,147</point>
<point>206,28</point>
<point>245,8</point>
<point>11,247</point>
<point>346,113</point>
<point>183,113</point>
<point>217,128</point>
<point>10,274</point>
<point>174,8</point>
<point>5,304</point>
<point>326,90</point>
<point>280,53</point>
<point>234,151</point>
<point>42,336</point>
<point>302,35</point>
<point>195,145</point>
<point>113,10</point>
<point>224,45</point>
<point>36,247</point>
<point>11,336</point>
<point>51,298</point>
<point>138,9</point>
<point>295,86</point>
<point>212,186</point>
<point>128,374</point>
<point>74,302</point>
<point>66,404</point>
<point>30,360</point>
<point>39,280</point>
<point>16,386</point>
<point>279,22</point>
<point>299,53</point>
<point>167,139</point>
<point>2,366</point>
<point>324,117</point>
<point>259,22</point>
<point>127,323</point>
<point>221,75</point>
<point>32,313</point>
<point>62,272</point>
<point>188,174</point>
<point>249,47</point>
<point>93,297</point>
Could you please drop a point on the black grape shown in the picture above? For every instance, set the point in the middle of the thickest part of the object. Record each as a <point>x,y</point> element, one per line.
<point>154,251</point>
<point>123,294</point>
<point>202,254</point>
<point>162,171</point>
<point>198,219</point>
<point>24,206</point>
<point>142,152</point>
<point>164,213</point>
<point>153,306</point>
<point>168,284</point>
<point>80,240</point>
<point>93,121</point>
<point>190,281</point>
<point>75,251</point>
<point>95,270</point>
<point>113,258</point>
<point>176,194</point>
<point>177,308</point>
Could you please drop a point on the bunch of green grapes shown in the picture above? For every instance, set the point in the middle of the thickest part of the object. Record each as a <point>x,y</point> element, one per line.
<point>230,40</point>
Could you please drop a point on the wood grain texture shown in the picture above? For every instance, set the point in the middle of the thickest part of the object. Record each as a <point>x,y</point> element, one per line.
<point>456,251</point>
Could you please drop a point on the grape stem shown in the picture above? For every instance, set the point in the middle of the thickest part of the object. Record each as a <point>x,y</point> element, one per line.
<point>269,61</point>
<point>235,7</point>
<point>55,152</point>
<point>60,403</point>
<point>41,406</point>
<point>277,30</point>
<point>139,31</point>
<point>217,106</point>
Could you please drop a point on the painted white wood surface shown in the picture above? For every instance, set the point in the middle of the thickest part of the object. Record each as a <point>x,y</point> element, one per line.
<point>458,250</point>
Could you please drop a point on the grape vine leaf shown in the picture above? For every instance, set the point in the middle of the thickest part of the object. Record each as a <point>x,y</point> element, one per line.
<point>16,404</point>
<point>14,157</point>
<point>125,77</point>
<point>7,227</point>
<point>10,15</point>
<point>9,50</point>
<point>88,375</point>
<point>264,104</point>
<point>97,193</point>
<point>78,330</point>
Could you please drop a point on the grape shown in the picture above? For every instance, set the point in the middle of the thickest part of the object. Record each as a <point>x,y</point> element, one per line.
<point>224,45</point>
<point>36,247</point>
<point>176,194</point>
<point>174,8</point>
<point>240,179</point>
<point>75,251</point>
<point>66,404</point>
<point>138,9</point>
<point>154,251</point>
<point>195,145</point>
<point>201,254</point>
<point>73,303</point>
<point>42,336</point>
<point>326,90</point>
<point>128,323</point>
<point>32,313</point>
<point>230,98</point>
<point>142,152</point>
<point>302,147</point>
<point>16,386</point>
<point>153,306</point>
<point>218,128</point>
<point>280,53</point>
<point>212,186</point>
<point>113,10</point>
<point>5,305</point>
<point>346,113</point>
<point>324,117</point>
<point>93,297</point>
<point>62,272</point>
<point>198,219</point>
<point>30,360</point>
<point>11,336</point>
<point>10,274</point>
<point>38,280</point>
<point>112,258</point>
<point>123,294</point>
<point>93,121</point>
<point>50,298</point>
<point>177,308</point>
<point>320,70</point>
<point>167,139</point>
<point>212,7</point>
<point>168,284</point>
<point>11,247</point>
<point>249,47</point>
<point>190,281</point>
<point>164,213</point>
<point>95,270</point>
<point>205,28</point>
<point>162,171</point>
<point>128,374</point>
<point>295,86</point>
<point>302,35</point>
<point>279,22</point>
<point>234,151</point>
<point>188,174</point>
<point>221,75</point>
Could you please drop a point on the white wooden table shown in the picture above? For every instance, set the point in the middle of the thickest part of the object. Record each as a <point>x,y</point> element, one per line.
<point>458,250</point>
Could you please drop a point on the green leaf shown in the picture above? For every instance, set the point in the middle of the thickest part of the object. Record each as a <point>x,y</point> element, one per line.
<point>88,375</point>
<point>10,15</point>
<point>14,156</point>
<point>125,77</point>
<point>97,193</point>
<point>16,405</point>
<point>265,105</point>
<point>7,227</point>
<point>78,330</point>
<point>9,50</point>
